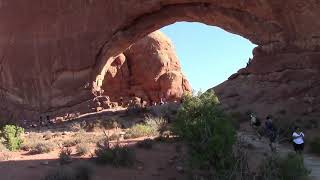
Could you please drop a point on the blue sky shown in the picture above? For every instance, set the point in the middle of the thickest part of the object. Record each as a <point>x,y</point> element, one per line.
<point>208,54</point>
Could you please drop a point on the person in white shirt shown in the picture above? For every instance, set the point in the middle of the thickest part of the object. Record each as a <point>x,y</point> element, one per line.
<point>298,140</point>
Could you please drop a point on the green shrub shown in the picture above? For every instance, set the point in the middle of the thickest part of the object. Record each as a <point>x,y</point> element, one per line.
<point>315,145</point>
<point>207,131</point>
<point>83,149</point>
<point>145,144</point>
<point>284,168</point>
<point>12,135</point>
<point>116,156</point>
<point>82,171</point>
<point>42,147</point>
<point>65,156</point>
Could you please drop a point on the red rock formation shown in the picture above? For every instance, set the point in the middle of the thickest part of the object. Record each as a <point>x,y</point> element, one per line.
<point>287,89</point>
<point>53,54</point>
<point>149,69</point>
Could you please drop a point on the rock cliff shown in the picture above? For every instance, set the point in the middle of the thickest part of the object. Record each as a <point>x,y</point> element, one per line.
<point>288,89</point>
<point>55,54</point>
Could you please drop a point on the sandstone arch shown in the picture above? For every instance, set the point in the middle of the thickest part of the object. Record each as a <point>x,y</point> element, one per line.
<point>52,51</point>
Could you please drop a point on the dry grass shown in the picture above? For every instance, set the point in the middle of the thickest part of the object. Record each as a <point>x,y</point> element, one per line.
<point>83,149</point>
<point>3,147</point>
<point>42,148</point>
<point>31,141</point>
<point>153,126</point>
<point>71,142</point>
<point>65,156</point>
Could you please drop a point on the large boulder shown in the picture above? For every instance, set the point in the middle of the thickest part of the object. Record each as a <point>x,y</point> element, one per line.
<point>149,69</point>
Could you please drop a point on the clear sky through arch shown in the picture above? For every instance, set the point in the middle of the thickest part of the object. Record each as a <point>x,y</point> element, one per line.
<point>208,54</point>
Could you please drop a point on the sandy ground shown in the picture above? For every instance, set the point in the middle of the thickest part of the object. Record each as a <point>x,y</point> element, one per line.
<point>151,164</point>
<point>160,163</point>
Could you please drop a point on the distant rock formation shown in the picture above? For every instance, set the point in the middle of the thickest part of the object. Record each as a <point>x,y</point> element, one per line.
<point>149,70</point>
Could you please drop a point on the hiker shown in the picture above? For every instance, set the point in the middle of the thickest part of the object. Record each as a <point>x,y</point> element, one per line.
<point>298,140</point>
<point>161,101</point>
<point>271,132</point>
<point>254,121</point>
<point>121,101</point>
<point>255,124</point>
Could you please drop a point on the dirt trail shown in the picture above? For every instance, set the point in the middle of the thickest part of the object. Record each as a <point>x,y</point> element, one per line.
<point>312,162</point>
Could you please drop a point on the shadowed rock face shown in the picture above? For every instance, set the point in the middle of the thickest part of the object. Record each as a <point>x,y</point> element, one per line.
<point>54,54</point>
<point>149,69</point>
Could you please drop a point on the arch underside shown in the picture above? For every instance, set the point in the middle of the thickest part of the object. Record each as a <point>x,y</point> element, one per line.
<point>64,48</point>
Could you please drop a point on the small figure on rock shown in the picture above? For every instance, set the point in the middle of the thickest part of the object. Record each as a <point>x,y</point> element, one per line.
<point>249,62</point>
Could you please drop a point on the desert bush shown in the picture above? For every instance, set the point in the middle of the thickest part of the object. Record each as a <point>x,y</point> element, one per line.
<point>114,136</point>
<point>75,126</point>
<point>3,148</point>
<point>83,149</point>
<point>145,144</point>
<point>65,156</point>
<point>47,136</point>
<point>116,155</point>
<point>81,171</point>
<point>207,131</point>
<point>71,142</point>
<point>41,148</point>
<point>315,145</point>
<point>139,130</point>
<point>31,140</point>
<point>153,126</point>
<point>284,168</point>
<point>12,136</point>
<point>157,124</point>
<point>101,124</point>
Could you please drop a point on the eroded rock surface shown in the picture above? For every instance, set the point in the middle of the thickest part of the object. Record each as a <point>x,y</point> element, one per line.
<point>285,85</point>
<point>149,69</point>
<point>54,54</point>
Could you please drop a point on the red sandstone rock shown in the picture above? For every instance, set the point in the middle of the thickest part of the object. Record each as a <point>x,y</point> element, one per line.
<point>287,89</point>
<point>53,53</point>
<point>149,69</point>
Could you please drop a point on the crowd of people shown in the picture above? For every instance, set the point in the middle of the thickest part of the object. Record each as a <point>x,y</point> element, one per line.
<point>271,132</point>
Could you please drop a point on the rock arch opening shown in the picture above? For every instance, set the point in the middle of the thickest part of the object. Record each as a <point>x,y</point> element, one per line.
<point>208,54</point>
<point>150,69</point>
<point>68,46</point>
